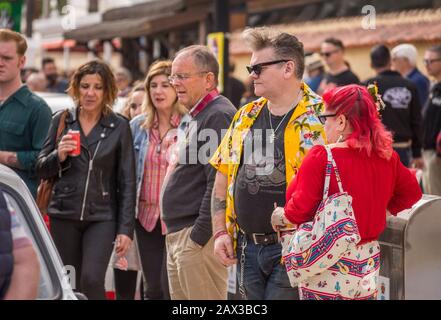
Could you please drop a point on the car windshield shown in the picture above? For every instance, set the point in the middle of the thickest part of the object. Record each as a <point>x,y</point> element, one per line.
<point>48,289</point>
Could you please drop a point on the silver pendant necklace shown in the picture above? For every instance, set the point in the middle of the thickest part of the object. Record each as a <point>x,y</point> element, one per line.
<point>274,131</point>
<point>158,145</point>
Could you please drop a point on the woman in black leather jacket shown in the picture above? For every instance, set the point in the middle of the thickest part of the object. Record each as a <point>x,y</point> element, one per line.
<point>93,200</point>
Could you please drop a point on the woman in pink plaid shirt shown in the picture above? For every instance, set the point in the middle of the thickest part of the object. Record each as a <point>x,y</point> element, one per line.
<point>154,133</point>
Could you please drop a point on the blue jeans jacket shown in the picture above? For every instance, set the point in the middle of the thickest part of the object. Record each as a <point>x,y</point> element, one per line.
<point>141,145</point>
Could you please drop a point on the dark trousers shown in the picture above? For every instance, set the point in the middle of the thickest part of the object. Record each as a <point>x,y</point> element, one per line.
<point>153,259</point>
<point>86,246</point>
<point>405,155</point>
<point>125,284</point>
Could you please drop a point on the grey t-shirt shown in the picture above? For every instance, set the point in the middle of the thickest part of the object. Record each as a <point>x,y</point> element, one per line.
<point>261,178</point>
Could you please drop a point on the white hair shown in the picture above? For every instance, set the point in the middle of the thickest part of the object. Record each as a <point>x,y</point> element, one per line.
<point>406,50</point>
<point>125,73</point>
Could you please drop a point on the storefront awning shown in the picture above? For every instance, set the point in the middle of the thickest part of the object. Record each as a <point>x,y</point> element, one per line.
<point>132,28</point>
<point>59,44</point>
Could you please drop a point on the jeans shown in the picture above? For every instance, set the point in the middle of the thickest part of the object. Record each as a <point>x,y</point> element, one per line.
<point>405,155</point>
<point>264,277</point>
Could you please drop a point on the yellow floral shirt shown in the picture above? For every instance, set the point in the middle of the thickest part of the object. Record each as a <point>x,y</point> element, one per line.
<point>302,132</point>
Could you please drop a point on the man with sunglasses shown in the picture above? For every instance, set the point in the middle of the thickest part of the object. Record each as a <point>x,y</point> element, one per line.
<point>259,155</point>
<point>432,124</point>
<point>339,73</point>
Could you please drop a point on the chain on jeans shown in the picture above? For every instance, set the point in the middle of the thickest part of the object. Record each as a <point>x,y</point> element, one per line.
<point>242,267</point>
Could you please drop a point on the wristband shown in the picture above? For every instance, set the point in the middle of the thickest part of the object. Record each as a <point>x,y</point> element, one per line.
<point>220,233</point>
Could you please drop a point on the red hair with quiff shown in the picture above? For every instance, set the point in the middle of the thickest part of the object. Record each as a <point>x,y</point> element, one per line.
<point>358,106</point>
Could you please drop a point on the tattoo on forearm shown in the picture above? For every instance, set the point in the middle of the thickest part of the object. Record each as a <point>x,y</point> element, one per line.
<point>218,206</point>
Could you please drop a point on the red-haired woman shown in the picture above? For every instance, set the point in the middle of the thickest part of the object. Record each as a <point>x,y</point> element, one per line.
<point>370,172</point>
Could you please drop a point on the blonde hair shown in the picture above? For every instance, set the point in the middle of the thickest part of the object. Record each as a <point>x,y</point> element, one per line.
<point>285,45</point>
<point>162,67</point>
<point>126,110</point>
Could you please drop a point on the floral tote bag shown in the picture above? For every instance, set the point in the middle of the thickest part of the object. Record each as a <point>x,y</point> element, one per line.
<point>319,244</point>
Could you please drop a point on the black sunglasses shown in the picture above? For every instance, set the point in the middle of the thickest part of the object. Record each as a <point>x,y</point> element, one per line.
<point>257,68</point>
<point>327,54</point>
<point>323,117</point>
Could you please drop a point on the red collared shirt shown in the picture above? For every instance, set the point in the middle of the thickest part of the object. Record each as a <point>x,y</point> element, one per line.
<point>203,102</point>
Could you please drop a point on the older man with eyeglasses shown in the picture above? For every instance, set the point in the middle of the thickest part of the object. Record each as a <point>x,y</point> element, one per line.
<point>258,156</point>
<point>194,272</point>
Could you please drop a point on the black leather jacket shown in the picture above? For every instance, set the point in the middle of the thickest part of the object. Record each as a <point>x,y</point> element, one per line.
<point>101,189</point>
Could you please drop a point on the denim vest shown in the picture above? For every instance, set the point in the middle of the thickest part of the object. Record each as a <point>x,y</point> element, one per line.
<point>6,257</point>
<point>141,145</point>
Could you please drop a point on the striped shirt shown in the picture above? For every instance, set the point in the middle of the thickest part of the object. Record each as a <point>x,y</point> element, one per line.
<point>155,168</point>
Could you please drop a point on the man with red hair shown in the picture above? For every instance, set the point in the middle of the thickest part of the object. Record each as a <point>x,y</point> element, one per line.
<point>24,117</point>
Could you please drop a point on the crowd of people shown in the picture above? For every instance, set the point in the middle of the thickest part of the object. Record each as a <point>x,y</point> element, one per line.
<point>184,184</point>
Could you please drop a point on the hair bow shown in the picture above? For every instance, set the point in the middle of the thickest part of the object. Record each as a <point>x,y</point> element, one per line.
<point>373,91</point>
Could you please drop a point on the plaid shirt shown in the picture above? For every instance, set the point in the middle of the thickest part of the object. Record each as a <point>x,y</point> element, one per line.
<point>155,168</point>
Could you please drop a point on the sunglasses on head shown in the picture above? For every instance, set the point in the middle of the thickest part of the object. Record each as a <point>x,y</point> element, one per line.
<point>257,68</point>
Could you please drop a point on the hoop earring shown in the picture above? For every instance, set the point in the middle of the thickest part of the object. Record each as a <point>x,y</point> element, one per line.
<point>340,139</point>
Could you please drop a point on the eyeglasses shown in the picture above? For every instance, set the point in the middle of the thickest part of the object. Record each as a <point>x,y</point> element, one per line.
<point>328,54</point>
<point>257,68</point>
<point>430,61</point>
<point>183,76</point>
<point>323,117</point>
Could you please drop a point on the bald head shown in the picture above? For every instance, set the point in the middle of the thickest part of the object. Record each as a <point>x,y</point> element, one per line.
<point>37,82</point>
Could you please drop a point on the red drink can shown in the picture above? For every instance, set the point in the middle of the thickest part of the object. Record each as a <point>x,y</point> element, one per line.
<point>75,134</point>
